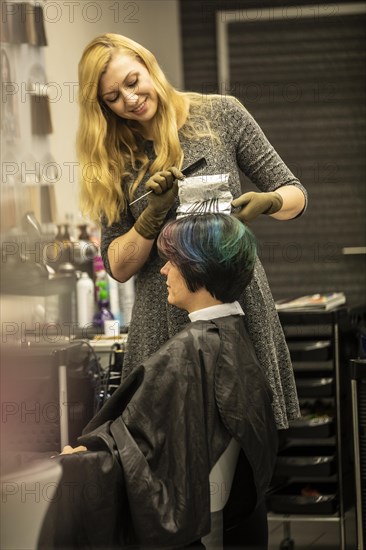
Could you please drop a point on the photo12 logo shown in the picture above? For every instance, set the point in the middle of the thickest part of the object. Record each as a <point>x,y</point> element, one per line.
<point>74,12</point>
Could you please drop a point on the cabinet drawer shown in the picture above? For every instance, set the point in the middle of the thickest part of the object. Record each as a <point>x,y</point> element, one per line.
<point>300,498</point>
<point>310,350</point>
<point>300,461</point>
<point>314,387</point>
<point>322,426</point>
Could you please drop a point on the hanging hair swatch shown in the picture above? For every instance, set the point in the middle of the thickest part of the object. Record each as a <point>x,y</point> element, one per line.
<point>23,24</point>
<point>18,29</point>
<point>8,218</point>
<point>39,100</point>
<point>30,178</point>
<point>9,109</point>
<point>39,24</point>
<point>48,204</point>
<point>49,175</point>
<point>40,114</point>
<point>30,25</point>
<point>5,27</point>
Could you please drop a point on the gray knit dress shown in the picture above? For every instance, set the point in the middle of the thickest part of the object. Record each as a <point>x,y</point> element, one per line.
<point>245,148</point>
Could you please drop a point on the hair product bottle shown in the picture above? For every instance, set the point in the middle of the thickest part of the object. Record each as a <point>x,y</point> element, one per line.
<point>85,300</point>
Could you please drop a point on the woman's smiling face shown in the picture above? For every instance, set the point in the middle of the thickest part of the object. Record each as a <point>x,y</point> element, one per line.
<point>127,89</point>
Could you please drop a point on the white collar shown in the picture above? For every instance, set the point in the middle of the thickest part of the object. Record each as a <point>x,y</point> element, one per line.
<point>214,312</point>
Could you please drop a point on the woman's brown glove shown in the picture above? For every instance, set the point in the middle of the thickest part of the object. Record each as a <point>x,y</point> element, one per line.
<point>252,204</point>
<point>165,190</point>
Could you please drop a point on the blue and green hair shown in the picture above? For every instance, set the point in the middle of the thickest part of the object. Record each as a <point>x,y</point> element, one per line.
<point>214,251</point>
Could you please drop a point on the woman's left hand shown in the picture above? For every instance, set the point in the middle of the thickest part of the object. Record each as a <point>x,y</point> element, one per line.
<point>253,204</point>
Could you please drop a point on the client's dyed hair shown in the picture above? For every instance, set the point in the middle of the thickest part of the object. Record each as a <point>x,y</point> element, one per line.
<point>214,251</point>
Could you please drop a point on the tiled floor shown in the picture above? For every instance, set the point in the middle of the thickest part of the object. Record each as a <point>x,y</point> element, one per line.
<point>308,535</point>
<point>304,536</point>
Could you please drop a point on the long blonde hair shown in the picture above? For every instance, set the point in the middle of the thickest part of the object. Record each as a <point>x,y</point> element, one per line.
<point>108,146</point>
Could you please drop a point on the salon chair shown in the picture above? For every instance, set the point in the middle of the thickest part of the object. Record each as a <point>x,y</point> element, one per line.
<point>25,498</point>
<point>234,524</point>
<point>221,479</point>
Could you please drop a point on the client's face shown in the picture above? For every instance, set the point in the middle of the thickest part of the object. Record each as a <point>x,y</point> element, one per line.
<point>178,293</point>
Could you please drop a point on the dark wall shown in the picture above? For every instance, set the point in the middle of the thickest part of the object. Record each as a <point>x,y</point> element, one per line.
<point>304,81</point>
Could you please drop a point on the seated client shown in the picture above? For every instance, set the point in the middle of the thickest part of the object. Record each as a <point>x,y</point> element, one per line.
<point>203,394</point>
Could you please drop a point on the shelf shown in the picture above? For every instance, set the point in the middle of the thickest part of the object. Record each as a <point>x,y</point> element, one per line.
<point>311,366</point>
<point>289,498</point>
<point>271,516</point>
<point>38,286</point>
<point>299,317</point>
<point>306,461</point>
<point>315,387</point>
<point>310,350</point>
<point>312,441</point>
<point>312,428</point>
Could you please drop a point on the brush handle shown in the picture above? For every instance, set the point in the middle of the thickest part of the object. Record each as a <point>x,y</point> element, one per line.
<point>200,163</point>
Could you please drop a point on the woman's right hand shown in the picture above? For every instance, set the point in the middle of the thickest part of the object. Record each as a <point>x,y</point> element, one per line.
<point>165,190</point>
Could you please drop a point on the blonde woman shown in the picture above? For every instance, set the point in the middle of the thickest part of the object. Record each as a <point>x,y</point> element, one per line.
<point>136,133</point>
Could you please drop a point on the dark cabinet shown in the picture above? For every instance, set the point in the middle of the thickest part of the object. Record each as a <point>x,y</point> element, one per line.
<point>314,479</point>
<point>358,389</point>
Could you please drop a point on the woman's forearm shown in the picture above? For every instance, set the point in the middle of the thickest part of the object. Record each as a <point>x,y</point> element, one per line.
<point>127,254</point>
<point>293,202</point>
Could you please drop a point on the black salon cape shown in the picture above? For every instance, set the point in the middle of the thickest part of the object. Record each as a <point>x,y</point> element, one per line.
<point>166,426</point>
